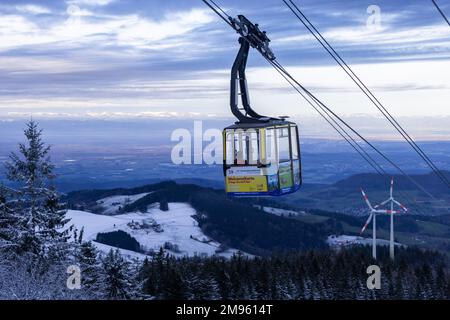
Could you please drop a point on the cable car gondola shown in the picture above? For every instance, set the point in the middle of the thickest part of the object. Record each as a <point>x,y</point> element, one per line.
<point>261,154</point>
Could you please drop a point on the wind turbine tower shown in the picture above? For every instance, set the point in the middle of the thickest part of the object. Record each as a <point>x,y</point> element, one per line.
<point>392,202</point>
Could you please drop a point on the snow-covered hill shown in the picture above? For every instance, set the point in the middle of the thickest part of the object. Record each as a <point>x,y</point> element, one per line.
<point>112,205</point>
<point>282,212</point>
<point>175,229</point>
<point>346,240</point>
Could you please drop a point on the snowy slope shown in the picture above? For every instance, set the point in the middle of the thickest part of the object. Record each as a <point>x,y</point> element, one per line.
<point>112,204</point>
<point>153,229</point>
<point>346,240</point>
<point>95,223</point>
<point>282,212</point>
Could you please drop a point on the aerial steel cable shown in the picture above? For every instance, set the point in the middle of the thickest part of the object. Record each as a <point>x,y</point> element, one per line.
<point>363,153</point>
<point>333,123</point>
<point>216,9</point>
<point>354,131</point>
<point>384,172</point>
<point>441,12</point>
<point>353,143</point>
<point>348,70</point>
<point>219,8</point>
<point>365,90</point>
<point>332,113</point>
<point>370,95</point>
<point>280,68</point>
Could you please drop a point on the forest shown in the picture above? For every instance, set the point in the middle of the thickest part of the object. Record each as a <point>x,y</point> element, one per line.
<point>311,275</point>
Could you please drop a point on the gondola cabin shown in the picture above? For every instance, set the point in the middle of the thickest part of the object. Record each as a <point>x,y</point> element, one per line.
<point>261,154</point>
<point>262,159</point>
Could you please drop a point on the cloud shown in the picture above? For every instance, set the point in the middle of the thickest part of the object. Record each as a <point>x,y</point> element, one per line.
<point>33,9</point>
<point>388,35</point>
<point>108,115</point>
<point>82,27</point>
<point>137,31</point>
<point>17,30</point>
<point>29,66</point>
<point>91,2</point>
<point>411,88</point>
<point>163,57</point>
<point>384,44</point>
<point>75,11</point>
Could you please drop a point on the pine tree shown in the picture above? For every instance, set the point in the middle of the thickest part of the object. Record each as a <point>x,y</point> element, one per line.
<point>440,283</point>
<point>175,287</point>
<point>163,205</point>
<point>8,222</point>
<point>115,279</point>
<point>89,263</point>
<point>202,287</point>
<point>263,283</point>
<point>447,291</point>
<point>224,283</point>
<point>39,215</point>
<point>398,290</point>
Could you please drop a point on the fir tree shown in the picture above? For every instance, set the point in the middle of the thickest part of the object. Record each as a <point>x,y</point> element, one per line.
<point>447,291</point>
<point>398,290</point>
<point>174,287</point>
<point>440,283</point>
<point>163,205</point>
<point>203,287</point>
<point>8,222</point>
<point>224,283</point>
<point>90,267</point>
<point>38,213</point>
<point>116,277</point>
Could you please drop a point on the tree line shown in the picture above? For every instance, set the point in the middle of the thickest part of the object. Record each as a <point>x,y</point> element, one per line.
<point>298,275</point>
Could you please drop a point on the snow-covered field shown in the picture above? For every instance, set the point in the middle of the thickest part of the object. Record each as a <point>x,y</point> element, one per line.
<point>345,240</point>
<point>152,229</point>
<point>112,204</point>
<point>280,212</point>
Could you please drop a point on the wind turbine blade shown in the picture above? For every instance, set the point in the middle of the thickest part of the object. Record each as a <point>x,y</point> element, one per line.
<point>367,223</point>
<point>381,204</point>
<point>366,199</point>
<point>391,191</point>
<point>400,205</point>
<point>387,211</point>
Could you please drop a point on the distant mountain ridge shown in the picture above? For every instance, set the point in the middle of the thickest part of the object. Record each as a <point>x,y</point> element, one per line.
<point>345,195</point>
<point>372,181</point>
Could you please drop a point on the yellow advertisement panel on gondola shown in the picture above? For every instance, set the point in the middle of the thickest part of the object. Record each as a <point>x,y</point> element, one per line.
<point>247,179</point>
<point>246,184</point>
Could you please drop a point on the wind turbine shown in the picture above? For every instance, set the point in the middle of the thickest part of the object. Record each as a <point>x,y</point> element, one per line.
<point>392,201</point>
<point>373,216</point>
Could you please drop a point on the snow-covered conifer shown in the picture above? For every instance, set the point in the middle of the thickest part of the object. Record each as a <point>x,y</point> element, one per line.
<point>39,217</point>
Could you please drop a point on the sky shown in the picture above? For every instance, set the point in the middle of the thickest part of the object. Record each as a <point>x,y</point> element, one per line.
<point>151,58</point>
